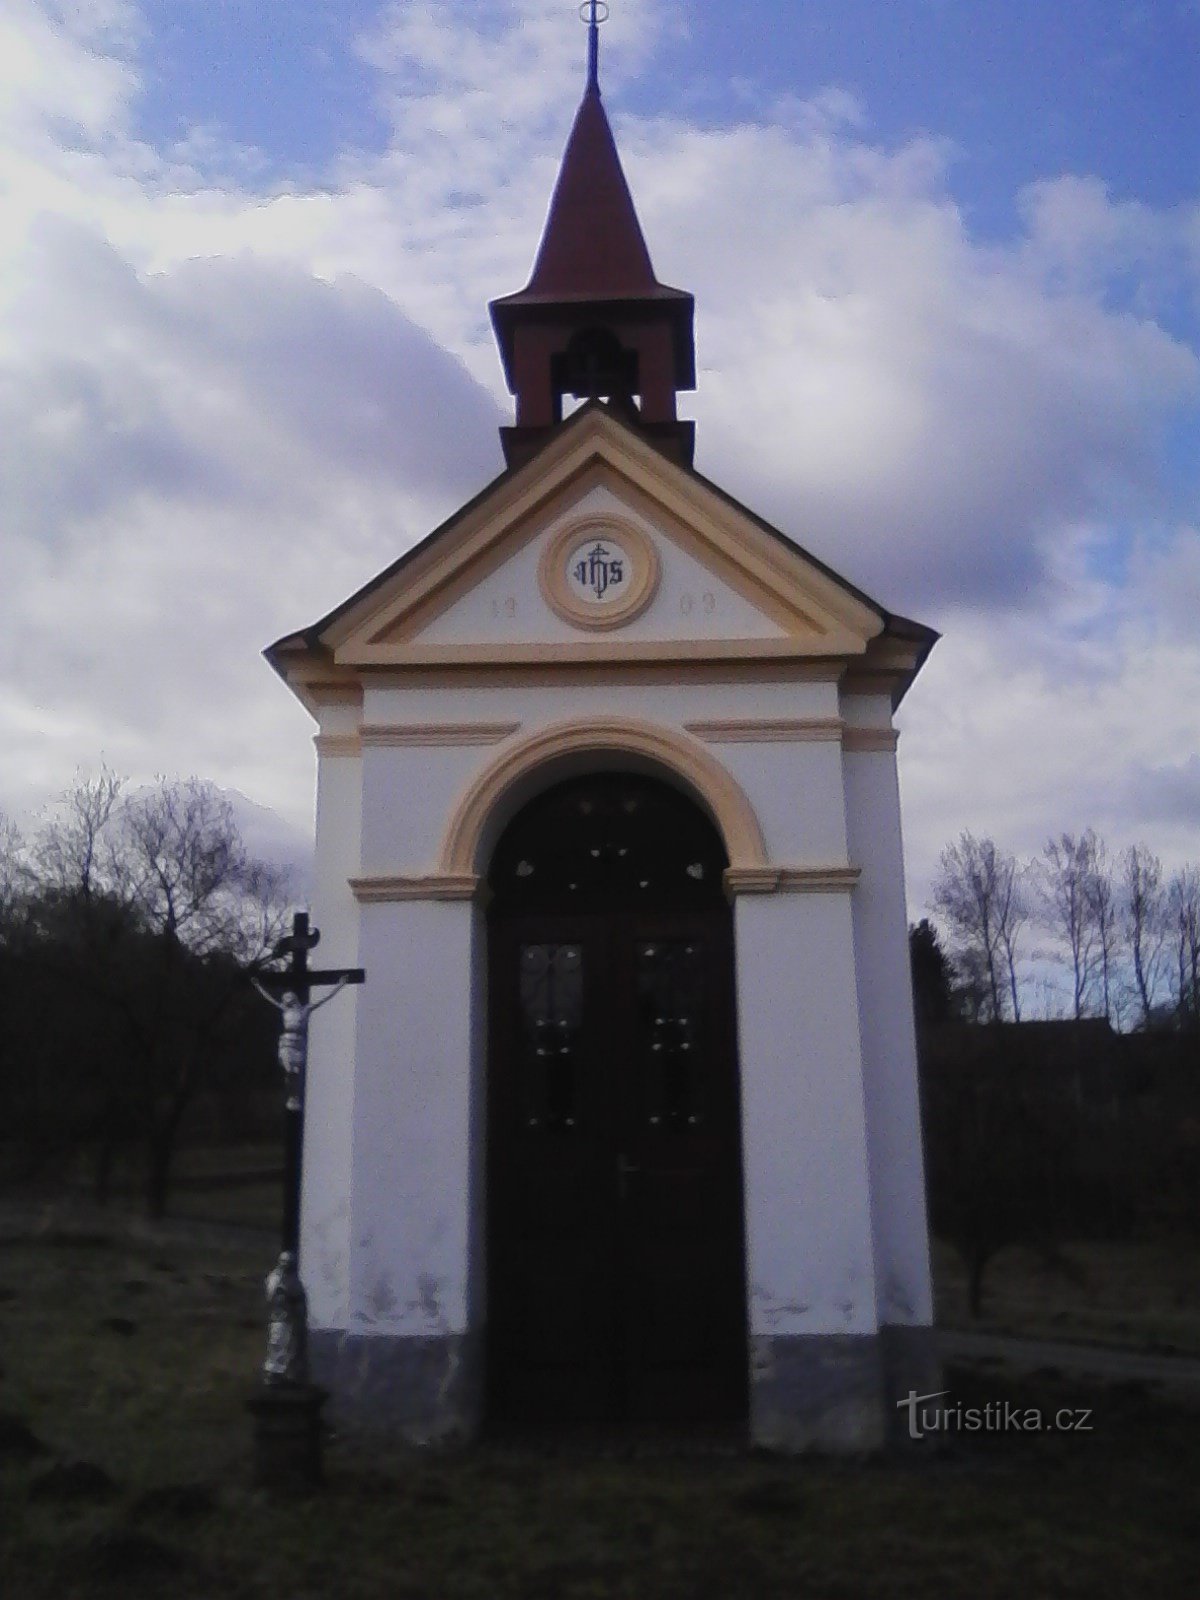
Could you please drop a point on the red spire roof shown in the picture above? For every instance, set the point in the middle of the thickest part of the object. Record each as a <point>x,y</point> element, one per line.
<point>593,321</point>
<point>592,245</point>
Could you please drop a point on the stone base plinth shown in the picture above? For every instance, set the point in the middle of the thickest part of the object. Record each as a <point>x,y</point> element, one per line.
<point>839,1392</point>
<point>287,1437</point>
<point>426,1390</point>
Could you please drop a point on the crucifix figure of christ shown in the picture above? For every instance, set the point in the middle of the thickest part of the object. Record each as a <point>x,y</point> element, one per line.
<point>290,991</point>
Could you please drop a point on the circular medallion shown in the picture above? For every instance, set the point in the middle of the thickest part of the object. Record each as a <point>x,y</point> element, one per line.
<point>599,572</point>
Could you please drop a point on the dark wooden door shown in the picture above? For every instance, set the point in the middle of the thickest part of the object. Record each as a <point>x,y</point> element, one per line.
<point>615,1283</point>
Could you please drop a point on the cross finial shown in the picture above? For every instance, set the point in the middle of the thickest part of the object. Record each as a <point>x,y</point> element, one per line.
<point>594,12</point>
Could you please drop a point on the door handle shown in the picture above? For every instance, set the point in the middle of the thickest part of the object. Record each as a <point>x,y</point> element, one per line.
<point>625,1171</point>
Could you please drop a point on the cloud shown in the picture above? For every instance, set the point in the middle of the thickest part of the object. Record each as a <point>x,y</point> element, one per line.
<point>1080,237</point>
<point>1167,793</point>
<point>193,462</point>
<point>280,844</point>
<point>924,412</point>
<point>1024,724</point>
<point>63,67</point>
<point>224,405</point>
<point>452,75</point>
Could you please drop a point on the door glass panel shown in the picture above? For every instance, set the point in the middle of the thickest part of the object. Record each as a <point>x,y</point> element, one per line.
<point>551,1008</point>
<point>669,979</point>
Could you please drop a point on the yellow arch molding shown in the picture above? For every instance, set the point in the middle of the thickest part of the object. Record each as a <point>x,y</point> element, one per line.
<point>731,810</point>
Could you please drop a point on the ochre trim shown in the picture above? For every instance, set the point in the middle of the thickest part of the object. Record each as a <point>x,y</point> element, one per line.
<point>818,880</point>
<point>343,691</point>
<point>720,558</point>
<point>820,613</point>
<point>574,674</point>
<point>791,880</point>
<point>338,744</point>
<point>870,738</point>
<point>437,733</point>
<point>604,652</point>
<point>730,808</point>
<point>377,888</point>
<point>751,880</point>
<point>552,575</point>
<point>380,888</point>
<point>765,730</point>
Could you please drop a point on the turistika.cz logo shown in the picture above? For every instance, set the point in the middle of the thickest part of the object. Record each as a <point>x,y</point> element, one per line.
<point>926,1414</point>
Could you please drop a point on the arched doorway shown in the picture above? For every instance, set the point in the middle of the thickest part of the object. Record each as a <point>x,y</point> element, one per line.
<point>615,1250</point>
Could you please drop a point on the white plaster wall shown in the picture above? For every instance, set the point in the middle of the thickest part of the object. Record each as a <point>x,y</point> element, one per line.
<point>477,1153</point>
<point>413,1121</point>
<point>866,710</point>
<point>396,1105</point>
<point>329,1099</point>
<point>690,601</point>
<point>889,1048</point>
<point>410,792</point>
<point>796,791</point>
<point>408,795</point>
<point>538,704</point>
<point>810,1266</point>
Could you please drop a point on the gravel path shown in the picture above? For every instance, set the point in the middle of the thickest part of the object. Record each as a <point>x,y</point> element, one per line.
<point>1180,1373</point>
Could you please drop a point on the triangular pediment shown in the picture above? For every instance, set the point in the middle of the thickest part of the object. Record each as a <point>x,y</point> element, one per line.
<point>501,581</point>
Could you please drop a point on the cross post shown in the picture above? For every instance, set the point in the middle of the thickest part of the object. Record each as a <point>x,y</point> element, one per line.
<point>287,1408</point>
<point>294,986</point>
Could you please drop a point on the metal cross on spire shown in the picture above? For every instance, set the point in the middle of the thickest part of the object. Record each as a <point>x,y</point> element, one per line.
<point>594,12</point>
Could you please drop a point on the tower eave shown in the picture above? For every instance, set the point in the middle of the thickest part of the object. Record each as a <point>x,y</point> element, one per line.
<point>675,305</point>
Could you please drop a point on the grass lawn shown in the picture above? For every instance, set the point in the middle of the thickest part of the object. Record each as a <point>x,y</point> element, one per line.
<point>1139,1293</point>
<point>136,1357</point>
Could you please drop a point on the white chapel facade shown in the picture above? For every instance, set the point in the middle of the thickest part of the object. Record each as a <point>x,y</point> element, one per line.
<point>623,1126</point>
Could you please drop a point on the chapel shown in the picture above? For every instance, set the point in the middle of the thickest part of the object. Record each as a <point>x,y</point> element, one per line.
<point>622,1129</point>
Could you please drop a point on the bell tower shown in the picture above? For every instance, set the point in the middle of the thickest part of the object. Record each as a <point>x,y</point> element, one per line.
<point>594,322</point>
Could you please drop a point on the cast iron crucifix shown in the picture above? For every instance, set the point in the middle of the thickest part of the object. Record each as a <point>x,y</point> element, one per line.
<point>290,993</point>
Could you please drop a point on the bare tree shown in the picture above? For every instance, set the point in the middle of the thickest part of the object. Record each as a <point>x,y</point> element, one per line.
<point>182,863</point>
<point>1102,909</point>
<point>992,1159</point>
<point>1064,876</point>
<point>1079,904</point>
<point>157,909</point>
<point>73,853</point>
<point>1183,899</point>
<point>1144,923</point>
<point>14,874</point>
<point>979,892</point>
<point>209,911</point>
<point>22,1120</point>
<point>78,937</point>
<point>1014,912</point>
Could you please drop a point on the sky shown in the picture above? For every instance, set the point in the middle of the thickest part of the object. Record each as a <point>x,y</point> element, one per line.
<point>946,258</point>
